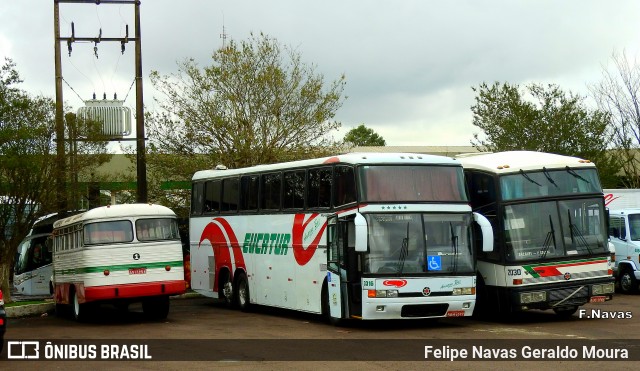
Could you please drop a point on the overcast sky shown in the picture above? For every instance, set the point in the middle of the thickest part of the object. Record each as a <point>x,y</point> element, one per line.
<point>409,64</point>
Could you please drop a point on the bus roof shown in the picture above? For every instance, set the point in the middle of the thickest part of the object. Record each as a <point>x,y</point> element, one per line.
<point>117,211</point>
<point>349,158</point>
<point>514,161</point>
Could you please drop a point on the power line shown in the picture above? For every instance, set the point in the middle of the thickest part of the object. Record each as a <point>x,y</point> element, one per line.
<point>73,90</point>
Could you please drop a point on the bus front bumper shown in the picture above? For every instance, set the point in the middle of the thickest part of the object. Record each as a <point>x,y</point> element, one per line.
<point>416,308</point>
<point>563,295</point>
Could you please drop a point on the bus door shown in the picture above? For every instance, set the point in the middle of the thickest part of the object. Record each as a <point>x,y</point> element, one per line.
<point>343,278</point>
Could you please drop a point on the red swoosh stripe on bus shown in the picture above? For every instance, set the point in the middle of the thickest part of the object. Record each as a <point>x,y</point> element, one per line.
<point>547,271</point>
<point>238,258</point>
<point>220,245</point>
<point>302,255</point>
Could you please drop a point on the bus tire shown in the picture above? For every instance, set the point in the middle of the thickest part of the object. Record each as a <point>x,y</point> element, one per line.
<point>62,310</point>
<point>225,290</point>
<point>156,308</point>
<point>242,293</point>
<point>566,312</point>
<point>628,282</point>
<point>79,311</point>
<point>481,309</point>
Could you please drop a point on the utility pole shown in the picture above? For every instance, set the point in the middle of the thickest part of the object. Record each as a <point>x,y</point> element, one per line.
<point>60,172</point>
<point>140,133</point>
<point>141,162</point>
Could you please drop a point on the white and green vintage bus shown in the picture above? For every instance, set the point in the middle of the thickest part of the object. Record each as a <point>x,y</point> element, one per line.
<point>118,254</point>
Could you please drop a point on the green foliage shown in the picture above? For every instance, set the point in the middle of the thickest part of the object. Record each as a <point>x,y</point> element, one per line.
<point>27,162</point>
<point>26,138</point>
<point>363,136</point>
<point>545,119</point>
<point>256,103</point>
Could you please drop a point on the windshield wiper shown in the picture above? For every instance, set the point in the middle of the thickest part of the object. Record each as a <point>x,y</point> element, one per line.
<point>576,234</point>
<point>548,176</point>
<point>527,177</point>
<point>551,237</point>
<point>576,175</point>
<point>404,251</point>
<point>454,245</point>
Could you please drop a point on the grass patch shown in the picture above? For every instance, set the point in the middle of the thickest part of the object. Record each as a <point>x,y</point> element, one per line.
<point>20,303</point>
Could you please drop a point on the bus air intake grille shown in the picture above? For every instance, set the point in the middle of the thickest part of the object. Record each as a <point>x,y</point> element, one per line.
<point>424,310</point>
<point>580,297</point>
<point>421,295</point>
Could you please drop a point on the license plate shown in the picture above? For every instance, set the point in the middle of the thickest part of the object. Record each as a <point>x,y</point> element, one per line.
<point>455,313</point>
<point>137,270</point>
<point>598,299</point>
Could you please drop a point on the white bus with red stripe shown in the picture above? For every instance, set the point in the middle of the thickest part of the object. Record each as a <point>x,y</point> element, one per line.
<point>550,226</point>
<point>118,254</point>
<point>354,236</point>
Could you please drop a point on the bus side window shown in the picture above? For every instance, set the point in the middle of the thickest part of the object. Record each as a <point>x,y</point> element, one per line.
<point>319,188</point>
<point>344,186</point>
<point>212,190</point>
<point>249,188</point>
<point>293,189</point>
<point>197,198</point>
<point>230,195</point>
<point>270,191</point>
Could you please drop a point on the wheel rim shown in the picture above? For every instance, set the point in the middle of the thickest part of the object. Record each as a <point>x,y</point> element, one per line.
<point>242,293</point>
<point>76,306</point>
<point>228,291</point>
<point>625,282</point>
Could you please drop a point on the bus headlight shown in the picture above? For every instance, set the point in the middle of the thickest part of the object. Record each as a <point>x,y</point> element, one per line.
<point>533,297</point>
<point>382,293</point>
<point>464,291</point>
<point>607,288</point>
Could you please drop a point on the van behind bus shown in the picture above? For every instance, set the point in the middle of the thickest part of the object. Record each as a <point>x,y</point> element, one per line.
<point>624,234</point>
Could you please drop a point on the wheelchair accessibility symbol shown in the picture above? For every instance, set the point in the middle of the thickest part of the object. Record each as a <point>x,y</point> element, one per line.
<point>434,263</point>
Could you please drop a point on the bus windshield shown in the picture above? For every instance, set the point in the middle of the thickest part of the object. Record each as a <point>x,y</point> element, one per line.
<point>157,229</point>
<point>552,229</point>
<point>419,243</point>
<point>411,183</point>
<point>544,183</point>
<point>32,254</point>
<point>120,231</point>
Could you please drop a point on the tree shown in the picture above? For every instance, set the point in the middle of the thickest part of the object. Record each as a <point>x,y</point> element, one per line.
<point>26,137</point>
<point>619,94</point>
<point>363,136</point>
<point>256,103</point>
<point>542,119</point>
<point>27,162</point>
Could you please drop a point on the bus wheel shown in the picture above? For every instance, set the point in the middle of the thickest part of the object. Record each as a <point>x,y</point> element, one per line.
<point>79,311</point>
<point>225,292</point>
<point>628,282</point>
<point>156,307</point>
<point>481,309</point>
<point>565,312</point>
<point>242,290</point>
<point>62,310</point>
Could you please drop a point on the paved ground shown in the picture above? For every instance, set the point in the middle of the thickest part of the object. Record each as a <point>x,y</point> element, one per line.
<point>200,328</point>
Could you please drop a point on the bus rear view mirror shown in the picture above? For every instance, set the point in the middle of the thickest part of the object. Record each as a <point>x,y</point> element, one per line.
<point>361,233</point>
<point>487,232</point>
